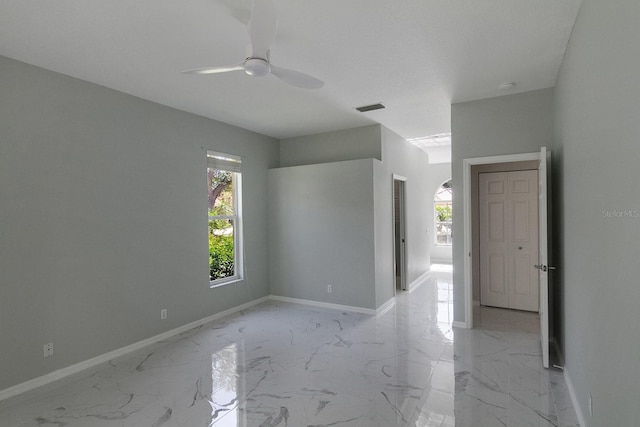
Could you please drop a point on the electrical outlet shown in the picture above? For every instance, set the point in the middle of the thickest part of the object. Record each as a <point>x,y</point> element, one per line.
<point>48,349</point>
<point>590,405</point>
<point>163,314</point>
<point>329,288</point>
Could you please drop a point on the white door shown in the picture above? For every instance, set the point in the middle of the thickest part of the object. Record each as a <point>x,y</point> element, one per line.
<point>523,231</point>
<point>544,185</point>
<point>509,239</point>
<point>493,239</point>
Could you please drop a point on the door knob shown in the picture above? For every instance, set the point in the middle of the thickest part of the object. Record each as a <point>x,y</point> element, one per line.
<point>542,267</point>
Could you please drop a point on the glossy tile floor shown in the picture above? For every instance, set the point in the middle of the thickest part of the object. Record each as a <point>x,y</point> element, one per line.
<point>280,364</point>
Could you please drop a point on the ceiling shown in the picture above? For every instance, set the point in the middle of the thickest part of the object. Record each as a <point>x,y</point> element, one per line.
<point>415,56</point>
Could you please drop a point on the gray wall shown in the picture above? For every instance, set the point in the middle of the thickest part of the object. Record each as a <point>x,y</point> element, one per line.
<point>321,232</point>
<point>389,154</point>
<point>598,130</point>
<point>401,158</point>
<point>512,124</point>
<point>349,144</point>
<point>103,219</point>
<point>438,174</point>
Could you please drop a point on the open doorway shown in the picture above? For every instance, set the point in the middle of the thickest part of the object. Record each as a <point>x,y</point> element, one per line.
<point>399,233</point>
<point>542,159</point>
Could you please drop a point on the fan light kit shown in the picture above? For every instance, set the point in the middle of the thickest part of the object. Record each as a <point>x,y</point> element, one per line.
<point>257,67</point>
<point>262,32</point>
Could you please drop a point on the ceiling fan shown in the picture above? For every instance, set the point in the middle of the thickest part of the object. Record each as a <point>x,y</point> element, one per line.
<point>262,32</point>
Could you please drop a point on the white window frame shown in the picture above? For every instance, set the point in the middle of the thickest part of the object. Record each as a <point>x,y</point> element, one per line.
<point>233,164</point>
<point>435,220</point>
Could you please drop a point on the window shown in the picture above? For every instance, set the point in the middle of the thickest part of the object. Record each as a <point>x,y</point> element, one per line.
<point>443,214</point>
<point>223,185</point>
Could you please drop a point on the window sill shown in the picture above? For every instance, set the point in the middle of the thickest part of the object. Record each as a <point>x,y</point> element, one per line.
<point>225,282</point>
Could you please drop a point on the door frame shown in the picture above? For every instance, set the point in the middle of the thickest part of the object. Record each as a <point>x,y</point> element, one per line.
<point>402,198</point>
<point>468,226</point>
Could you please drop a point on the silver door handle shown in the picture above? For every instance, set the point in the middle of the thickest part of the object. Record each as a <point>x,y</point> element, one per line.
<point>540,267</point>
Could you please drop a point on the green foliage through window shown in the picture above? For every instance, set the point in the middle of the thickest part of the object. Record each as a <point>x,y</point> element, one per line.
<point>221,255</point>
<point>444,213</point>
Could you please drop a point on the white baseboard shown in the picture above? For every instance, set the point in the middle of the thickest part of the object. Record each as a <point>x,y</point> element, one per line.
<point>419,281</point>
<point>574,399</point>
<point>385,307</point>
<point>86,364</point>
<point>355,309</point>
<point>458,324</point>
<point>79,367</point>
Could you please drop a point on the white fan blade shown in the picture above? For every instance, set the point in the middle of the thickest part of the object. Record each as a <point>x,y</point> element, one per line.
<point>215,70</point>
<point>262,27</point>
<point>296,78</point>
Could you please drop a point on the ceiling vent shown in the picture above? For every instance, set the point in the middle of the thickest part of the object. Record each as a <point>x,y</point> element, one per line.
<point>370,108</point>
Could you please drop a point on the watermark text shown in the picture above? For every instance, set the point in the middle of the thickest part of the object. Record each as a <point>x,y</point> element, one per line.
<point>628,213</point>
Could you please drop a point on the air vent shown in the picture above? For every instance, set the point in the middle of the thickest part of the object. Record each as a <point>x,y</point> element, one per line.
<point>370,107</point>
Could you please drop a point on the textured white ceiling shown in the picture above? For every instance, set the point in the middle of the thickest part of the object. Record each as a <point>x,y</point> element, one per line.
<point>415,56</point>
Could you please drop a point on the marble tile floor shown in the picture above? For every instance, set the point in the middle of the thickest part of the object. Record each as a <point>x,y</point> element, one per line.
<point>281,364</point>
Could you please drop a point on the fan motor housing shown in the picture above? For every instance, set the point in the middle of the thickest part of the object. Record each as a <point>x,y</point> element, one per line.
<point>257,67</point>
